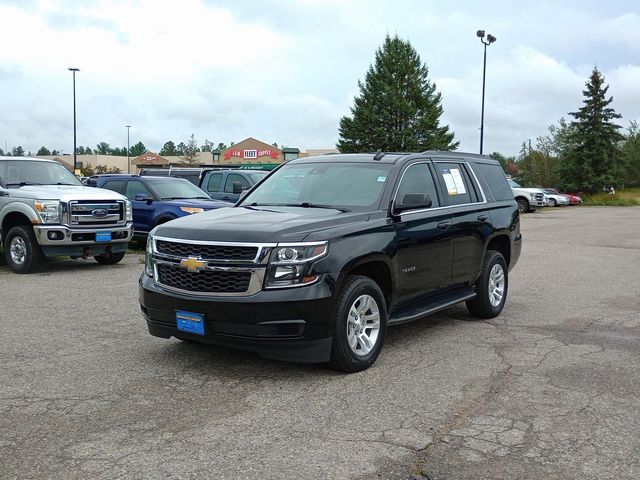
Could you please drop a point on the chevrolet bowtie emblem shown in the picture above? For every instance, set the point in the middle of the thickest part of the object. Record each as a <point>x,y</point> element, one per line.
<point>192,264</point>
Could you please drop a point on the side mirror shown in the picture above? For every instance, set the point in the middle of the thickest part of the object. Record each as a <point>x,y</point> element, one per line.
<point>412,201</point>
<point>143,197</point>
<point>237,188</point>
<point>4,193</point>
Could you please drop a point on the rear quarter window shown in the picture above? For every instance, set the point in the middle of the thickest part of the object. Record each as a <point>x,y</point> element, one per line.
<point>496,180</point>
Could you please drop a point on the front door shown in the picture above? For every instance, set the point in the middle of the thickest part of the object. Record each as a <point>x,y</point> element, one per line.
<point>142,209</point>
<point>425,248</point>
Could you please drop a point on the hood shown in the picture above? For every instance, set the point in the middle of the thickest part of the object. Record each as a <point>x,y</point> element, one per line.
<point>256,224</point>
<point>64,193</point>
<point>197,203</point>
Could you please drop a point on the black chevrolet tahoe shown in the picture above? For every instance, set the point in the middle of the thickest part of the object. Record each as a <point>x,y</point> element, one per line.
<point>315,262</point>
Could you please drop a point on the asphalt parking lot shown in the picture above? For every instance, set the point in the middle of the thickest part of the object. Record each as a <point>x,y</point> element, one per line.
<point>550,389</point>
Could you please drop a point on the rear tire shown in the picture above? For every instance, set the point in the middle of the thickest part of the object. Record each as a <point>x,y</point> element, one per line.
<point>359,325</point>
<point>553,202</point>
<point>109,258</point>
<point>491,288</point>
<point>21,250</point>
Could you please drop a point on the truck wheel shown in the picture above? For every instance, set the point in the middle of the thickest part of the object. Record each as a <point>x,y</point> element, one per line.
<point>491,287</point>
<point>552,202</point>
<point>523,205</point>
<point>109,258</point>
<point>21,250</point>
<point>359,325</point>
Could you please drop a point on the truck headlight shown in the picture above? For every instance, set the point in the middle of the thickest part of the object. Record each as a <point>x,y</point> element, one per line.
<point>290,264</point>
<point>191,210</point>
<point>148,257</point>
<point>48,210</point>
<point>128,212</point>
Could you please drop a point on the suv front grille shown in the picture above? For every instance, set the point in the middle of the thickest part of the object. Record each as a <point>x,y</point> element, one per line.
<point>208,252</point>
<point>539,197</point>
<point>207,281</point>
<point>96,212</point>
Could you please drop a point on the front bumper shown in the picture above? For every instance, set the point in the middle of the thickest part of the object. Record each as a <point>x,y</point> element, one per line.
<point>80,236</point>
<point>289,324</point>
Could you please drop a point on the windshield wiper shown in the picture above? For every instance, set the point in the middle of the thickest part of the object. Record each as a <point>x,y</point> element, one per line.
<point>22,184</point>
<point>303,205</point>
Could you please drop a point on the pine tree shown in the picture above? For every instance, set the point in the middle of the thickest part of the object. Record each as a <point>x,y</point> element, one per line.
<point>398,108</point>
<point>594,162</point>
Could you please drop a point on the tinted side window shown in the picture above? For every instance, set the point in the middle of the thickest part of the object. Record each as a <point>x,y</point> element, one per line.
<point>115,185</point>
<point>496,179</point>
<point>135,187</point>
<point>233,178</point>
<point>3,173</point>
<point>214,183</point>
<point>455,183</point>
<point>418,179</point>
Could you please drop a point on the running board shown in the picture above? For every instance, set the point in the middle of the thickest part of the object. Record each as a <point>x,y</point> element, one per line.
<point>435,305</point>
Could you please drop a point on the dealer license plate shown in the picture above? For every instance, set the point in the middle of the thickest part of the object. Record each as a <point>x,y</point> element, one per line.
<point>190,322</point>
<point>103,236</point>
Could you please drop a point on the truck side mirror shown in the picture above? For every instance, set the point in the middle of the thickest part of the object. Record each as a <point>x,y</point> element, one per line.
<point>143,197</point>
<point>237,188</point>
<point>413,201</point>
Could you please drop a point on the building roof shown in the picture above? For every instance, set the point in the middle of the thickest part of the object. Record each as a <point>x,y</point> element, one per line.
<point>148,159</point>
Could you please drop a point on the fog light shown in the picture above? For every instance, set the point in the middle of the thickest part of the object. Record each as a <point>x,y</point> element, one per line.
<point>55,235</point>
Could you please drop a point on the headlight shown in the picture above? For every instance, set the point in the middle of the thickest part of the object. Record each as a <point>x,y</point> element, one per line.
<point>192,210</point>
<point>148,257</point>
<point>128,212</point>
<point>290,264</point>
<point>48,210</point>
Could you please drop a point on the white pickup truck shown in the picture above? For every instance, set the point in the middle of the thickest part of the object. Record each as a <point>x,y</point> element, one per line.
<point>529,199</point>
<point>46,212</point>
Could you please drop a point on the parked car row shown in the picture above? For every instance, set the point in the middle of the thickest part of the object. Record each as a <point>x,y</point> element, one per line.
<point>531,199</point>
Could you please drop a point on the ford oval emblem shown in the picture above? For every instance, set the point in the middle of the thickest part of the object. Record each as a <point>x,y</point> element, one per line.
<point>100,212</point>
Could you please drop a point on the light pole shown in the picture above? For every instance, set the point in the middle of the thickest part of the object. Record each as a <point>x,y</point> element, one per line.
<point>74,70</point>
<point>128,164</point>
<point>490,39</point>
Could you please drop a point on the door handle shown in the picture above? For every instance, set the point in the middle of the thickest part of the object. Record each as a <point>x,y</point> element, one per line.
<point>444,225</point>
<point>482,217</point>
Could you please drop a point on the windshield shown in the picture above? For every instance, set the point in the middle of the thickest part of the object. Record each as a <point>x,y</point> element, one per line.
<point>174,188</point>
<point>30,172</point>
<point>352,186</point>
<point>514,184</point>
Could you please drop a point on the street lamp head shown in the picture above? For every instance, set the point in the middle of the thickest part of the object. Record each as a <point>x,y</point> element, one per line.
<point>491,38</point>
<point>71,69</point>
<point>480,33</point>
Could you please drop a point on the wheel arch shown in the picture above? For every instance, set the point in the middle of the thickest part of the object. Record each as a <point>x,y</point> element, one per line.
<point>500,242</point>
<point>377,268</point>
<point>15,218</point>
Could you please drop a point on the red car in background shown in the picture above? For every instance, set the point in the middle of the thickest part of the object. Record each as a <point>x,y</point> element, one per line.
<point>573,199</point>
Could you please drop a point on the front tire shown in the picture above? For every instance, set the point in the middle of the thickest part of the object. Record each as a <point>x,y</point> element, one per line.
<point>21,250</point>
<point>523,205</point>
<point>491,288</point>
<point>109,258</point>
<point>553,202</point>
<point>360,325</point>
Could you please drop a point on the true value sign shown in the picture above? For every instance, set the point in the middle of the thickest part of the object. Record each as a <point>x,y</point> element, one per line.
<point>251,154</point>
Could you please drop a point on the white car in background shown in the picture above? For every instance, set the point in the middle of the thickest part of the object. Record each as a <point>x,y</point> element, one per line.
<point>554,198</point>
<point>528,199</point>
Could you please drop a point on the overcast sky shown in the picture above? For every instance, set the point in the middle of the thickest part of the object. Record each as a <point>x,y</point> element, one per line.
<point>285,71</point>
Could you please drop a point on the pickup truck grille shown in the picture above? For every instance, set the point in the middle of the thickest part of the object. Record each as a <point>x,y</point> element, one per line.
<point>207,252</point>
<point>96,212</point>
<point>539,197</point>
<point>175,276</point>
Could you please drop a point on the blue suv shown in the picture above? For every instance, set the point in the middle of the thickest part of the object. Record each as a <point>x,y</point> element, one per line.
<point>157,200</point>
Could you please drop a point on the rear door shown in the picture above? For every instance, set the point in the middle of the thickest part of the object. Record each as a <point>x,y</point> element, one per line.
<point>142,210</point>
<point>212,184</point>
<point>471,223</point>
<point>425,248</point>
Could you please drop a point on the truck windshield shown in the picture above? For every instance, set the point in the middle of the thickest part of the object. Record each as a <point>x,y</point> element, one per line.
<point>30,172</point>
<point>514,184</point>
<point>344,186</point>
<point>174,188</point>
